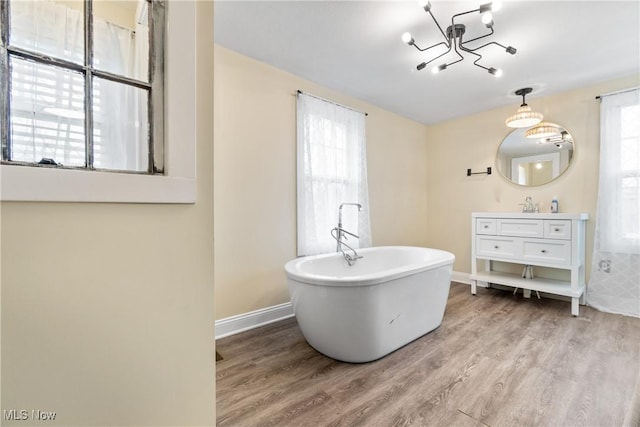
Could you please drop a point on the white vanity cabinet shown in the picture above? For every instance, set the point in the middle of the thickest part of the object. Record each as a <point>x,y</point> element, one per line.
<point>538,239</point>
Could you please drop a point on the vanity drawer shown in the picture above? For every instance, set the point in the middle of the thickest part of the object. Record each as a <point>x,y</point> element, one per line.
<point>495,247</point>
<point>557,229</point>
<point>486,226</point>
<point>556,252</point>
<point>520,227</point>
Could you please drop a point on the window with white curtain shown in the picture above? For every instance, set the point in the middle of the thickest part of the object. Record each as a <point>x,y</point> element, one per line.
<point>80,93</point>
<point>332,169</point>
<point>619,194</point>
<point>614,285</point>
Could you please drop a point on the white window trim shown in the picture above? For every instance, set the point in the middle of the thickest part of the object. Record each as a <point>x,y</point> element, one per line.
<point>178,185</point>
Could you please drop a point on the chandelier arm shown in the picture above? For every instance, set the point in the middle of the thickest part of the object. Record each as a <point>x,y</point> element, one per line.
<point>462,13</point>
<point>440,28</point>
<point>453,24</point>
<point>439,56</point>
<point>455,62</point>
<point>455,48</point>
<point>427,48</point>
<point>477,38</point>
<point>484,45</point>
<point>476,61</point>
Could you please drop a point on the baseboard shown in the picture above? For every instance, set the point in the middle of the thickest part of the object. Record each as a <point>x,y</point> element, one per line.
<point>246,321</point>
<point>459,277</point>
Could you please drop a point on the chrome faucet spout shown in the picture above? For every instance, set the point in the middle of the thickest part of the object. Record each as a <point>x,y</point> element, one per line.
<point>340,211</point>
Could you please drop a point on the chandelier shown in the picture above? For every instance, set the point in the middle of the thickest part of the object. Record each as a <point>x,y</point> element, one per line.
<point>453,37</point>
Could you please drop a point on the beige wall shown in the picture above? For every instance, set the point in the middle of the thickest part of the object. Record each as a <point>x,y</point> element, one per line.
<point>255,175</point>
<point>472,142</point>
<point>107,309</point>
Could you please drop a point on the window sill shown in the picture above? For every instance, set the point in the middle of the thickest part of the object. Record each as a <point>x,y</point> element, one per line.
<point>20,183</point>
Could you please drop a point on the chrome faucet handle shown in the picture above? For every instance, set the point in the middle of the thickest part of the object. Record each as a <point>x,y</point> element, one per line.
<point>349,233</point>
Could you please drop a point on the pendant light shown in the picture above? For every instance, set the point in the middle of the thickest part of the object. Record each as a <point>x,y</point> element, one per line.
<point>524,117</point>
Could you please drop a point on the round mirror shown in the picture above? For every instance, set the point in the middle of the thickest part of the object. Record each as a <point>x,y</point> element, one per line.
<point>534,161</point>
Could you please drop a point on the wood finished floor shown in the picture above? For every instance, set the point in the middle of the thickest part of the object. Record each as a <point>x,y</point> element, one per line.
<point>496,360</point>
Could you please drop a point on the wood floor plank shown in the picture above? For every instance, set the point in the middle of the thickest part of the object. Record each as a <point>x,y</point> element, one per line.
<point>496,360</point>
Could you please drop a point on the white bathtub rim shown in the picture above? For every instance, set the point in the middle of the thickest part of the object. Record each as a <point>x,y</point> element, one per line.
<point>294,273</point>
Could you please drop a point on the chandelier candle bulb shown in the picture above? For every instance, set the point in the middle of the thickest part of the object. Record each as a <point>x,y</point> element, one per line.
<point>487,19</point>
<point>438,68</point>
<point>425,4</point>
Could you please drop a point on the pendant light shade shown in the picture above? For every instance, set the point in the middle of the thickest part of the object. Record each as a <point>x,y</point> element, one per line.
<point>524,117</point>
<point>543,130</point>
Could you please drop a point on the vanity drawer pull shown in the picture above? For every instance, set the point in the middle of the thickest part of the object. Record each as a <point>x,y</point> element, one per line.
<point>496,247</point>
<point>544,251</point>
<point>556,229</point>
<point>486,226</point>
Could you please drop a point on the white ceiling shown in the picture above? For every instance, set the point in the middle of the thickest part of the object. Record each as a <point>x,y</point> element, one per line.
<point>355,48</point>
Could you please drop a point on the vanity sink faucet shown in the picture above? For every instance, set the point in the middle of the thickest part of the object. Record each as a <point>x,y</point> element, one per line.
<point>528,206</point>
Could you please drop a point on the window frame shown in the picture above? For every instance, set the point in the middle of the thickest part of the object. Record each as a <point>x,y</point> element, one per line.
<point>177,184</point>
<point>154,86</point>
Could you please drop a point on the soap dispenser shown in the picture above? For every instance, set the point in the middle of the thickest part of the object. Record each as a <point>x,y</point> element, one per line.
<point>554,205</point>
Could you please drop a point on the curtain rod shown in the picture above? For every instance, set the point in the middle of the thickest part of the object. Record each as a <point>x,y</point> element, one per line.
<point>332,102</point>
<point>618,91</point>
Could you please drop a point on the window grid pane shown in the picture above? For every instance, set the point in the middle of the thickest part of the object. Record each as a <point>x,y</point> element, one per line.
<point>120,126</point>
<point>46,115</point>
<point>49,28</point>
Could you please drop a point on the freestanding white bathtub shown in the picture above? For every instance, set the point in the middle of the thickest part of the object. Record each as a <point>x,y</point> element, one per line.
<point>360,313</point>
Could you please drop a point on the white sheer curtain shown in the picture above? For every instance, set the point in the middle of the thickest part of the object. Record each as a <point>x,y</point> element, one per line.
<point>614,285</point>
<point>332,169</point>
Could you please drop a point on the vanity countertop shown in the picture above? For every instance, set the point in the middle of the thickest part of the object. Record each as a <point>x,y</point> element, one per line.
<point>578,216</point>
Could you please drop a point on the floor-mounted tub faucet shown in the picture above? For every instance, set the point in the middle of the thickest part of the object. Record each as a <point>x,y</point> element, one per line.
<point>340,229</point>
<point>340,233</point>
